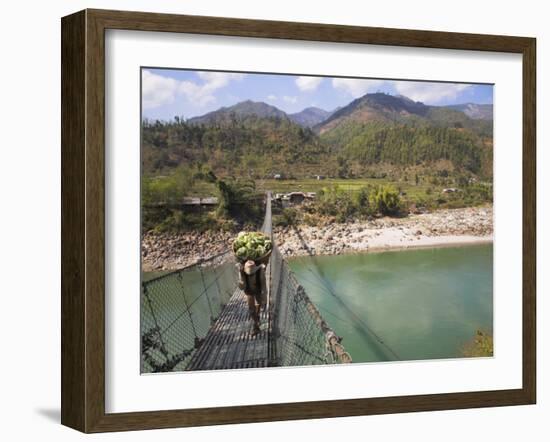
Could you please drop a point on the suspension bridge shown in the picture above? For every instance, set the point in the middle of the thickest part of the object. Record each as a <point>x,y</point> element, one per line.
<point>197,318</point>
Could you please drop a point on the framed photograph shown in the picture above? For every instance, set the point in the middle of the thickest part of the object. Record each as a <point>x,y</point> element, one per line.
<point>267,220</point>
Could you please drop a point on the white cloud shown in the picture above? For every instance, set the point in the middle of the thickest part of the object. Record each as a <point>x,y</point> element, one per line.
<point>199,95</point>
<point>430,93</point>
<point>272,97</point>
<point>159,90</point>
<point>289,99</point>
<point>217,80</point>
<point>356,87</point>
<point>308,84</point>
<point>203,94</point>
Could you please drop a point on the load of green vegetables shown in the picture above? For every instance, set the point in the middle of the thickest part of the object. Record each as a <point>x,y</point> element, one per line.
<point>251,245</point>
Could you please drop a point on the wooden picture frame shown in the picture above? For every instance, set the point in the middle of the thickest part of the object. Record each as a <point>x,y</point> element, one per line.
<point>83,219</point>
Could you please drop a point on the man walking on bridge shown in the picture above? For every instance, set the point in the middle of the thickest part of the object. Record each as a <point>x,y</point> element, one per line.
<point>252,281</point>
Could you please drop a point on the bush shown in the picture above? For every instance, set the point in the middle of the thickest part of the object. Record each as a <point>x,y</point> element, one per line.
<point>239,200</point>
<point>288,217</point>
<point>363,201</point>
<point>386,200</point>
<point>311,220</point>
<point>178,221</point>
<point>480,346</point>
<point>337,203</point>
<point>369,200</point>
<point>167,189</point>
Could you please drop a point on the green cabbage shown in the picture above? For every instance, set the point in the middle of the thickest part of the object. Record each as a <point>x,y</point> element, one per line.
<point>251,245</point>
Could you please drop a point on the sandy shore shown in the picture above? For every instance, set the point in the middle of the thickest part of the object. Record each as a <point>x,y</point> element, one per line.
<point>442,228</point>
<point>373,241</point>
<point>437,229</point>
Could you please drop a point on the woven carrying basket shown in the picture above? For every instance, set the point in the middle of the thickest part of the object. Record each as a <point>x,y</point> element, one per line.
<point>261,260</point>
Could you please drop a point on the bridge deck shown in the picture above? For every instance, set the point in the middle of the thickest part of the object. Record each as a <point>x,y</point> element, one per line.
<point>229,343</point>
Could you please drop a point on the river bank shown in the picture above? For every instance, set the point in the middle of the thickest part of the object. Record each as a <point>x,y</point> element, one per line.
<point>436,229</point>
<point>171,251</point>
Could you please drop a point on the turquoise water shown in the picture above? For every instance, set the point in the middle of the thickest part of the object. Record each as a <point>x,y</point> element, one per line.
<point>423,304</point>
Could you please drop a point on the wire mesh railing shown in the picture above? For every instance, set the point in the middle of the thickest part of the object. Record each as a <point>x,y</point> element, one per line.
<point>178,309</point>
<point>300,335</point>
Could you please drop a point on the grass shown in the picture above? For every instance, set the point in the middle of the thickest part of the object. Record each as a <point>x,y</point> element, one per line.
<point>411,192</point>
<point>203,188</point>
<point>350,185</point>
<point>426,194</point>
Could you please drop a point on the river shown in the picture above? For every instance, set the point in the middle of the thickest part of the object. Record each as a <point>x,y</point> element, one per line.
<point>421,303</point>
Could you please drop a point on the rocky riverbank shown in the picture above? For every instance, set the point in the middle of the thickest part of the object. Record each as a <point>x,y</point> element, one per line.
<point>440,228</point>
<point>169,251</point>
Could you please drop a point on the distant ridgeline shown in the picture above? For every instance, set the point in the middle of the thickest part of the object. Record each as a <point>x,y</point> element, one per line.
<point>373,132</point>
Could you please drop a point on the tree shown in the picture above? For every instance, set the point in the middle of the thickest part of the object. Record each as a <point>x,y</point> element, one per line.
<point>386,200</point>
<point>363,201</point>
<point>239,199</point>
<point>343,167</point>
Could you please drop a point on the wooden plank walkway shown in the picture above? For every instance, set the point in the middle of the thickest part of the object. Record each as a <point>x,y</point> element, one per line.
<point>229,343</point>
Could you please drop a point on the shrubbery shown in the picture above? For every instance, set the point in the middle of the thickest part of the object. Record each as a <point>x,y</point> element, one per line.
<point>480,346</point>
<point>239,199</point>
<point>386,200</point>
<point>178,220</point>
<point>288,217</point>
<point>166,189</point>
<point>163,210</point>
<point>368,201</point>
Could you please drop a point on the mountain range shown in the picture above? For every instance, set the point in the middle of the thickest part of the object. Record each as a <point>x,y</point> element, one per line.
<point>370,107</point>
<point>310,116</point>
<point>371,131</point>
<point>474,110</point>
<point>240,110</point>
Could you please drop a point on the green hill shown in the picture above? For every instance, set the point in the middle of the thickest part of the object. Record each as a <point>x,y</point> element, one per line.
<point>241,110</point>
<point>380,107</point>
<point>408,145</point>
<point>474,110</point>
<point>250,146</point>
<point>256,140</point>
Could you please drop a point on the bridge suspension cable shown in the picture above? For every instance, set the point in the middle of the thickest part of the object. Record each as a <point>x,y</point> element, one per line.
<point>299,333</point>
<point>353,315</point>
<point>359,322</point>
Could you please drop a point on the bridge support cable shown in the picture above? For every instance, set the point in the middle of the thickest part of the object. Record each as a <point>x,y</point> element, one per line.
<point>359,322</point>
<point>299,334</point>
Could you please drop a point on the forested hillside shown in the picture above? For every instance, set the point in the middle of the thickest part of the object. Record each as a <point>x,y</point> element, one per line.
<point>257,140</point>
<point>248,146</point>
<point>408,145</point>
<point>474,110</point>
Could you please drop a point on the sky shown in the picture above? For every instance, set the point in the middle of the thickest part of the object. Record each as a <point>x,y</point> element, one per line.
<point>167,93</point>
